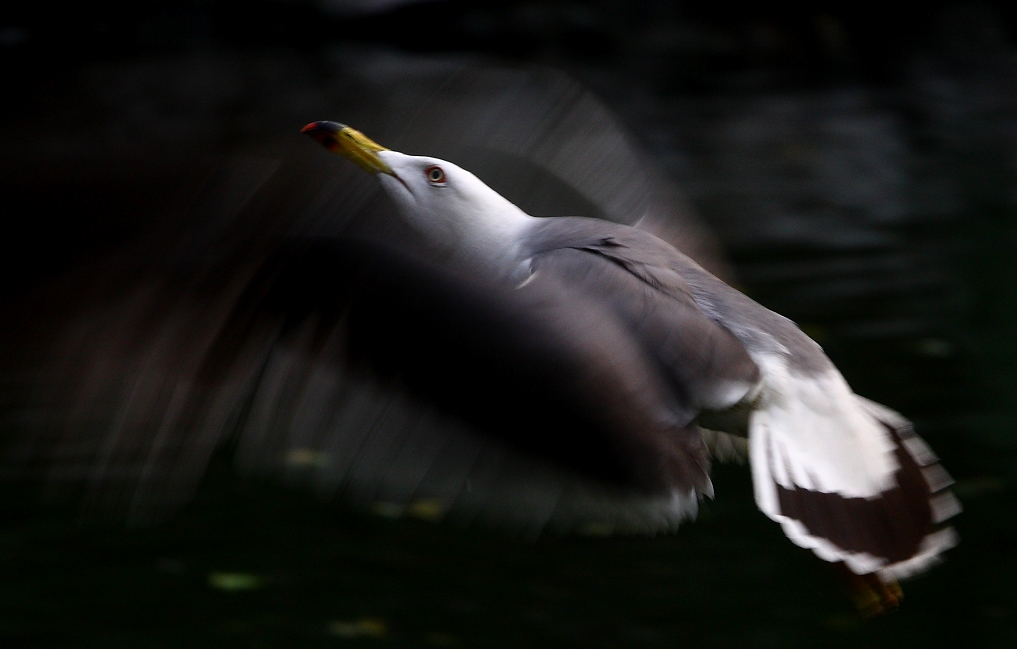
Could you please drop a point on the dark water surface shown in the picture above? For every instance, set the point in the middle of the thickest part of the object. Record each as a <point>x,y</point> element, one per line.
<point>882,218</point>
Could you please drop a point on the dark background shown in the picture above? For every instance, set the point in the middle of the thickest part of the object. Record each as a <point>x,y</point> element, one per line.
<point>859,164</point>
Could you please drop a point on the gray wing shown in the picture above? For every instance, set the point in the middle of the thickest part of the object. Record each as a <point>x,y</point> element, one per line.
<point>385,382</point>
<point>845,477</point>
<point>627,273</point>
<point>547,370</point>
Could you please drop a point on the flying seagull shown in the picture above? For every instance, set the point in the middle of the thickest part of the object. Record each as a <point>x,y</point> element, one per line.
<point>647,348</point>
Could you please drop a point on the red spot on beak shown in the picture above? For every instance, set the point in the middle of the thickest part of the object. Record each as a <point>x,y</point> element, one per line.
<point>324,133</point>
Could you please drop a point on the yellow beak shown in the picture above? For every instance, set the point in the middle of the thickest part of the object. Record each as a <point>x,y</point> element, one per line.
<point>349,143</point>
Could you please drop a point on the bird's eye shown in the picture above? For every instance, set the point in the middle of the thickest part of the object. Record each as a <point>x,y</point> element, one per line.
<point>435,176</point>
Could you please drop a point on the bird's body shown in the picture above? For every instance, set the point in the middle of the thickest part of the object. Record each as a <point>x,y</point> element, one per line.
<point>653,341</point>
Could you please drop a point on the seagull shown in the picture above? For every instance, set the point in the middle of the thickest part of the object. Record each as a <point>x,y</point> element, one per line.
<point>649,351</point>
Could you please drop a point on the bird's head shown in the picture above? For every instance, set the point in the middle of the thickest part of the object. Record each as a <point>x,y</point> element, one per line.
<point>445,201</point>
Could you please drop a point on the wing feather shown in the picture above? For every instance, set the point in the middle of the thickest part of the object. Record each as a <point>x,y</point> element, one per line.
<point>706,366</point>
<point>845,477</point>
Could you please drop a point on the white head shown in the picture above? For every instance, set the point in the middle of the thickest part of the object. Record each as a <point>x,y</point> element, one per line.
<point>448,204</point>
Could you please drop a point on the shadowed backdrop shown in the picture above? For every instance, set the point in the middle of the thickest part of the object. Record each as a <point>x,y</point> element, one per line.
<point>856,175</point>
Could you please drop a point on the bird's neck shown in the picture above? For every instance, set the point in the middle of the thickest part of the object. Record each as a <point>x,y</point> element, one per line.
<point>492,238</point>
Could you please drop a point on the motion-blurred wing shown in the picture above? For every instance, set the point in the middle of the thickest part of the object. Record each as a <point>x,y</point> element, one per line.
<point>387,382</point>
<point>540,139</point>
<point>136,264</point>
<point>543,370</point>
